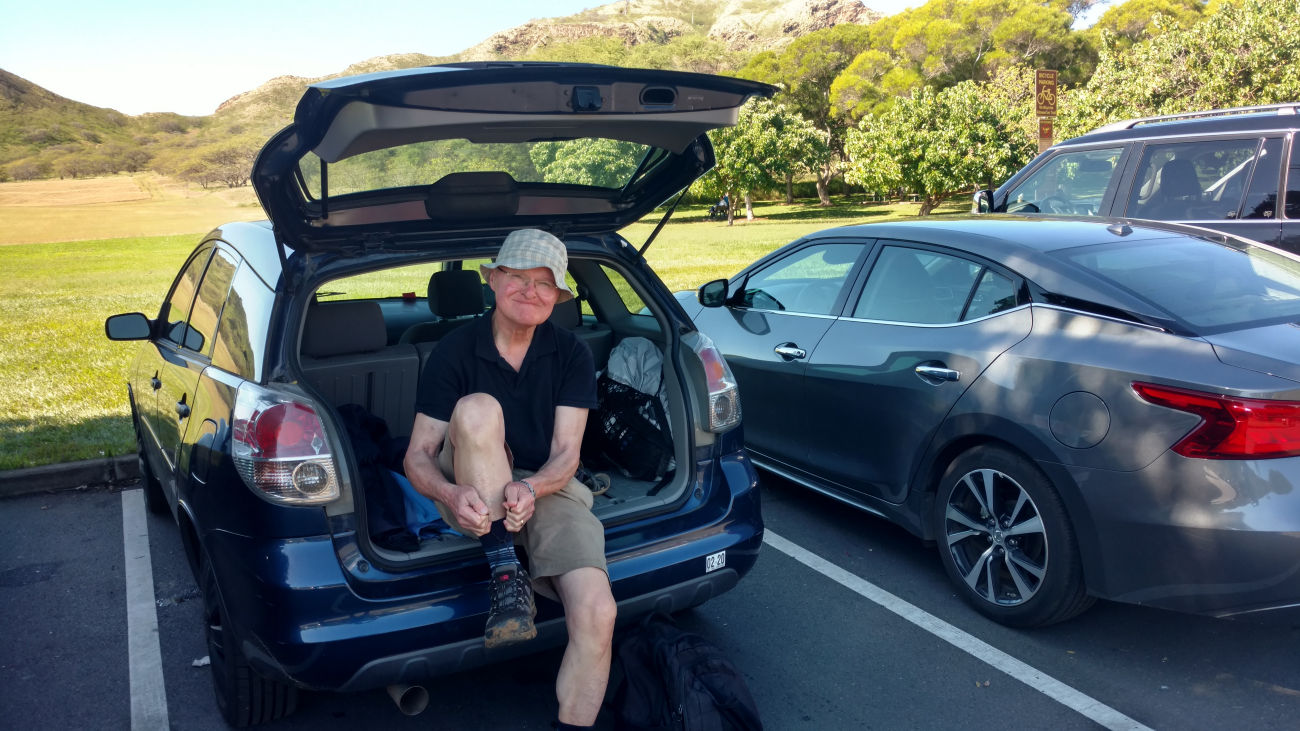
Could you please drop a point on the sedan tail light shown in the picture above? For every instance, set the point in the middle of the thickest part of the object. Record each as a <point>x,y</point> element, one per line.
<point>281,448</point>
<point>724,396</point>
<point>1231,427</point>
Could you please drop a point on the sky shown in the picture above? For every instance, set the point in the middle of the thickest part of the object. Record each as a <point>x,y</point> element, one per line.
<point>140,56</point>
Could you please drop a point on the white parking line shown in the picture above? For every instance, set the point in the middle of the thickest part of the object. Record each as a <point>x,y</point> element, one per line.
<point>1036,679</point>
<point>148,693</point>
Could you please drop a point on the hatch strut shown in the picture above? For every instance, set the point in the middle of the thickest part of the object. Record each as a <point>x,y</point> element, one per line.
<point>324,190</point>
<point>667,214</point>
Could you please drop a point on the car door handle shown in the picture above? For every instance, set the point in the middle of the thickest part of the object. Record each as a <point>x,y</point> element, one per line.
<point>154,382</point>
<point>937,373</point>
<point>790,351</point>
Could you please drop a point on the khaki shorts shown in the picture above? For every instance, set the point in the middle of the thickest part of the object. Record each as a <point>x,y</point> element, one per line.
<point>562,535</point>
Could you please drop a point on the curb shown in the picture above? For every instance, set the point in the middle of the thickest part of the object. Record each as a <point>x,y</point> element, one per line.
<point>68,476</point>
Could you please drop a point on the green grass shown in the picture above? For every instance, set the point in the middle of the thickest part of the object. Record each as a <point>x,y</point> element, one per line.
<point>63,396</point>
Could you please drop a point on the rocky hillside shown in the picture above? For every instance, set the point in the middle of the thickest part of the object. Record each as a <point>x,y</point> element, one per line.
<point>743,25</point>
<point>43,135</point>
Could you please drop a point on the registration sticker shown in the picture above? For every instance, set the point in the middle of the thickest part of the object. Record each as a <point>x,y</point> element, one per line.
<point>715,561</point>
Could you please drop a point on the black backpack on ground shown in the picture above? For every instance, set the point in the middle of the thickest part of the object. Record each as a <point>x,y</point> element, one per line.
<point>673,679</point>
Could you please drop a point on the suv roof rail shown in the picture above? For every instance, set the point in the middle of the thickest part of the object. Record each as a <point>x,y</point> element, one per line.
<point>1281,109</point>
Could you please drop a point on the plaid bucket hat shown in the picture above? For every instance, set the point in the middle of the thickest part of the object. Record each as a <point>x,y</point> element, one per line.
<point>530,248</point>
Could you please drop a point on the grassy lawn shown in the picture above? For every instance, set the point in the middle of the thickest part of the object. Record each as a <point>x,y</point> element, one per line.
<point>63,396</point>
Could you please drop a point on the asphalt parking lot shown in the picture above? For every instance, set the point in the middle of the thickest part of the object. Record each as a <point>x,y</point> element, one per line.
<point>847,622</point>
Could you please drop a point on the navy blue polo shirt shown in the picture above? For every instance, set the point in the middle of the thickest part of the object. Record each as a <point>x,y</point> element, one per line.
<point>558,370</point>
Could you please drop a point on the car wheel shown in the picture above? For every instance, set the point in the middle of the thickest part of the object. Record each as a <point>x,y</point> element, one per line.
<point>1006,540</point>
<point>243,697</point>
<point>154,499</point>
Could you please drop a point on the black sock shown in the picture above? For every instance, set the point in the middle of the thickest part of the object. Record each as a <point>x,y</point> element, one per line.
<point>499,544</point>
<point>562,726</point>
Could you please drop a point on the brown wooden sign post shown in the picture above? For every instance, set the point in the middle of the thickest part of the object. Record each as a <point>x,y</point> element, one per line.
<point>1045,105</point>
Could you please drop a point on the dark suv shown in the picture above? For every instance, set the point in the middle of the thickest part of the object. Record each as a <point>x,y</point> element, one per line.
<point>277,337</point>
<point>1231,170</point>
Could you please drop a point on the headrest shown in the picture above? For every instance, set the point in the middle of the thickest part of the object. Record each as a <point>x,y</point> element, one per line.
<point>1178,179</point>
<point>469,196</point>
<point>343,328</point>
<point>566,314</point>
<point>455,293</point>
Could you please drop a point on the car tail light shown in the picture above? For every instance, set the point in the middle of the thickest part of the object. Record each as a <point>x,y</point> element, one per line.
<point>1231,427</point>
<point>281,448</point>
<point>724,396</point>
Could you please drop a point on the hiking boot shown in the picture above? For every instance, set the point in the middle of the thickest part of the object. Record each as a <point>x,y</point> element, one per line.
<point>511,619</point>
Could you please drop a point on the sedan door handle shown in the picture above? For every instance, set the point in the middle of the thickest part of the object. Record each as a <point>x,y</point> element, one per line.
<point>937,373</point>
<point>790,351</point>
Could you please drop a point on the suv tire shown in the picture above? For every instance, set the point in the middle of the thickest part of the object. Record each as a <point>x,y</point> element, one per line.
<point>243,697</point>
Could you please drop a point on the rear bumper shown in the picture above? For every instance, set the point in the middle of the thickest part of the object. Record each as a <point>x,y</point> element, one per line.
<point>299,620</point>
<point>1220,538</point>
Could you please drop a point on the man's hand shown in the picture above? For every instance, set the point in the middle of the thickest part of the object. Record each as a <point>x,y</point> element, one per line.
<point>470,511</point>
<point>519,505</point>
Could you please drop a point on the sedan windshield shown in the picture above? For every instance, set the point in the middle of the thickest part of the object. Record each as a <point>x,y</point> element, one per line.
<point>1208,287</point>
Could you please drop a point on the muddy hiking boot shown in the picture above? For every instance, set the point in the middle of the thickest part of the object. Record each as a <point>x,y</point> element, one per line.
<point>511,618</point>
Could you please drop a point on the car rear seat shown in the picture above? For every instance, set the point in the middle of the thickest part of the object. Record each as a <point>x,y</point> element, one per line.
<point>345,358</point>
<point>599,337</point>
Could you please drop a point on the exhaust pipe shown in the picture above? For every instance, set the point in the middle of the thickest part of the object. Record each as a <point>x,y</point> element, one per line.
<point>411,700</point>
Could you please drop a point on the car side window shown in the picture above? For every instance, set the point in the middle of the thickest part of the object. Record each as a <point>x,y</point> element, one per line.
<point>212,297</point>
<point>807,281</point>
<point>1293,180</point>
<point>243,324</point>
<point>1072,183</point>
<point>626,293</point>
<point>993,294</point>
<point>177,310</point>
<point>917,286</point>
<point>1192,181</point>
<point>1261,196</point>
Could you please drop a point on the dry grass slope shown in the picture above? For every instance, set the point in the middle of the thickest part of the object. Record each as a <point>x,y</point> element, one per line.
<point>143,204</point>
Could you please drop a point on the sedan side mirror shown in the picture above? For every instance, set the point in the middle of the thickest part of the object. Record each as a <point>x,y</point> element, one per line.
<point>713,294</point>
<point>983,202</point>
<point>129,326</point>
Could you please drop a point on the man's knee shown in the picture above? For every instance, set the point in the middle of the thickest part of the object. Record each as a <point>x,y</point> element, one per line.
<point>592,611</point>
<point>477,416</point>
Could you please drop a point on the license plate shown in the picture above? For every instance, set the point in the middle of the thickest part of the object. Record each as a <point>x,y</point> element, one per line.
<point>715,561</point>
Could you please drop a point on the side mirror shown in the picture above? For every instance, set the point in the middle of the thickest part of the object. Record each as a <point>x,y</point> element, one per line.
<point>129,326</point>
<point>713,294</point>
<point>983,202</point>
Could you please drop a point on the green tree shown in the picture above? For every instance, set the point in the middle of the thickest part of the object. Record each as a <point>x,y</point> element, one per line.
<point>807,68</point>
<point>935,144</point>
<point>768,143</point>
<point>1243,53</point>
<point>600,162</point>
<point>1134,20</point>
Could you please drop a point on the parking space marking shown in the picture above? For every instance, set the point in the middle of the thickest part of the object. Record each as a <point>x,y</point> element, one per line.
<point>148,693</point>
<point>1036,679</point>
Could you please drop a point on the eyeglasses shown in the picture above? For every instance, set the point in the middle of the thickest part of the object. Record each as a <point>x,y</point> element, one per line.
<point>544,289</point>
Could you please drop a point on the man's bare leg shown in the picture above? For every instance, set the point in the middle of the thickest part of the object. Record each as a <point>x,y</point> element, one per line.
<point>477,435</point>
<point>589,611</point>
<point>477,431</point>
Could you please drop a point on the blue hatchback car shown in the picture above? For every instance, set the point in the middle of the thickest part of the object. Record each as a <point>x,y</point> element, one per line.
<point>278,377</point>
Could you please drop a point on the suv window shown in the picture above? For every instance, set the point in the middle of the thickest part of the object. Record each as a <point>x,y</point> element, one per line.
<point>1293,181</point>
<point>808,281</point>
<point>212,296</point>
<point>177,309</point>
<point>243,322</point>
<point>1192,181</point>
<point>1261,197</point>
<point>1072,183</point>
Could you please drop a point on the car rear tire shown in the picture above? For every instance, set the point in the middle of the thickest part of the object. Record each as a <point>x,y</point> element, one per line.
<point>1006,540</point>
<point>243,697</point>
